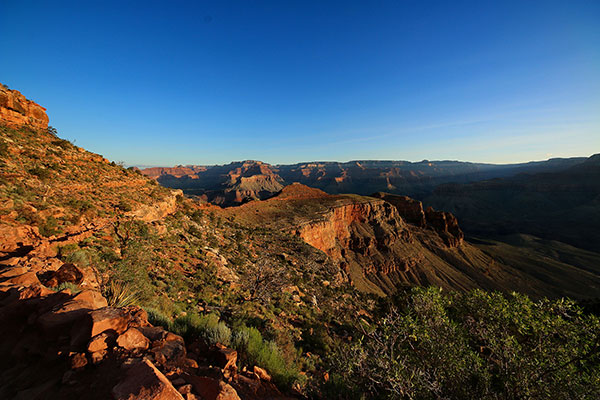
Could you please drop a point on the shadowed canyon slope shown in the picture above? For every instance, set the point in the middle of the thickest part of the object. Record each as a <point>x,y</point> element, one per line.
<point>223,184</point>
<point>387,241</point>
<point>562,205</point>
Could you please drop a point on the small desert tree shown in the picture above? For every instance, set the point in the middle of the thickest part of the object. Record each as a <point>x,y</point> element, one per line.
<point>264,280</point>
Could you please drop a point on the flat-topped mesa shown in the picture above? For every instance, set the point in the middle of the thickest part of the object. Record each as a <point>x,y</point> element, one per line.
<point>16,110</point>
<point>444,223</point>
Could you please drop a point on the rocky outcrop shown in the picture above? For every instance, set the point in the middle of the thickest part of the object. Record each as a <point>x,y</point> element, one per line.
<point>444,223</point>
<point>373,244</point>
<point>16,110</point>
<point>159,210</point>
<point>65,345</point>
<point>335,232</point>
<point>224,185</point>
<point>410,209</point>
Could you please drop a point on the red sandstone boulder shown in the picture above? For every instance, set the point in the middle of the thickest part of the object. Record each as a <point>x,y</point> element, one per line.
<point>100,342</point>
<point>93,298</point>
<point>68,273</point>
<point>211,389</point>
<point>12,272</point>
<point>26,279</point>
<point>133,340</point>
<point>78,361</point>
<point>109,318</point>
<point>154,333</point>
<point>170,350</point>
<point>62,318</point>
<point>143,381</point>
<point>262,374</point>
<point>139,316</point>
<point>223,357</point>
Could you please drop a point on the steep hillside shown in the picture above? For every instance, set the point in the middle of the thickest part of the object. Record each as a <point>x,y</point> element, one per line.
<point>82,237</point>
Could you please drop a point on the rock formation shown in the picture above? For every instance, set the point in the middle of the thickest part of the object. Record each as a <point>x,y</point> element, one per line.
<point>415,179</point>
<point>224,185</point>
<point>60,344</point>
<point>372,243</point>
<point>444,223</point>
<point>16,110</point>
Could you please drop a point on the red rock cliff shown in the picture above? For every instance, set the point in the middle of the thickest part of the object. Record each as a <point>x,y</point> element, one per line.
<point>16,110</point>
<point>336,232</point>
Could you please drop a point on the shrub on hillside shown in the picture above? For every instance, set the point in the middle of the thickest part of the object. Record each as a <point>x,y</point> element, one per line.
<point>49,227</point>
<point>472,345</point>
<point>254,350</point>
<point>3,148</point>
<point>40,172</point>
<point>206,326</point>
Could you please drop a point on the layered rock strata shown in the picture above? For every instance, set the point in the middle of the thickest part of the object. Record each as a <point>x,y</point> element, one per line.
<point>16,110</point>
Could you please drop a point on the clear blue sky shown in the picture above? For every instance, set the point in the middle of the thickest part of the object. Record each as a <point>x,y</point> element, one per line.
<point>163,83</point>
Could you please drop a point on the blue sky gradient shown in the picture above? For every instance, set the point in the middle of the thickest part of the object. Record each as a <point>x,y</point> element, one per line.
<point>164,83</point>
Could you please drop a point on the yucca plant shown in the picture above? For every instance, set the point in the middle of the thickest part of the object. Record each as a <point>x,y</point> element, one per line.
<point>119,294</point>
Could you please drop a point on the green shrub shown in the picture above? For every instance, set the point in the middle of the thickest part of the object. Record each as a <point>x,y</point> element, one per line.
<point>158,318</point>
<point>52,130</point>
<point>471,345</point>
<point>40,172</point>
<point>79,257</point>
<point>266,354</point>
<point>125,205</point>
<point>206,326</point>
<point>67,285</point>
<point>66,250</point>
<point>50,227</point>
<point>81,205</point>
<point>3,148</point>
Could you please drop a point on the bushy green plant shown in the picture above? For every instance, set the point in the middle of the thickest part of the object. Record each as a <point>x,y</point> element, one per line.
<point>40,172</point>
<point>266,354</point>
<point>471,345</point>
<point>158,318</point>
<point>79,257</point>
<point>125,205</point>
<point>49,227</point>
<point>3,148</point>
<point>67,285</point>
<point>207,326</point>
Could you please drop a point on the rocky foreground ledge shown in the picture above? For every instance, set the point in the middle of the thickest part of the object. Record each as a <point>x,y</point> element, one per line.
<point>58,344</point>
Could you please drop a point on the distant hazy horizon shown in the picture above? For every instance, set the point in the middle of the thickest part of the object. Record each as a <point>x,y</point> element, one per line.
<point>284,82</point>
<point>141,166</point>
